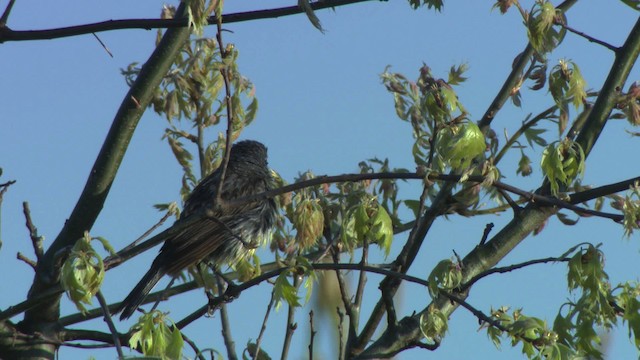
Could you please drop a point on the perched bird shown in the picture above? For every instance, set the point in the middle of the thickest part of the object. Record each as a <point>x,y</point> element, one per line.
<point>219,234</point>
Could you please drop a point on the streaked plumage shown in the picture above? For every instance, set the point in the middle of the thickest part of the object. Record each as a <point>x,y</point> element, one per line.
<point>206,238</point>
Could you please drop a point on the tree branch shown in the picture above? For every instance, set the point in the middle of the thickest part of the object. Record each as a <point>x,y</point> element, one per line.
<point>6,34</point>
<point>485,257</point>
<point>103,172</point>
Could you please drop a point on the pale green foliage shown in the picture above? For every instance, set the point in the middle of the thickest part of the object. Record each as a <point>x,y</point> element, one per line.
<point>372,222</point>
<point>524,166</point>
<point>435,113</point>
<point>447,275</point>
<point>433,323</point>
<point>562,162</point>
<point>155,337</point>
<point>538,341</point>
<point>308,220</point>
<point>83,271</point>
<point>194,89</point>
<point>597,305</point>
<point>252,349</point>
<point>284,291</point>
<point>630,103</point>
<point>460,144</point>
<point>539,21</point>
<point>566,84</point>
<point>631,210</point>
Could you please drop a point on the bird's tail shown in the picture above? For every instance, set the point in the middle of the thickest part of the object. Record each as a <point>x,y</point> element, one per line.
<point>140,292</point>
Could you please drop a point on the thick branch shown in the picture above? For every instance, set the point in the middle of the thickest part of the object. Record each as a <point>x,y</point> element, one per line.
<point>104,170</point>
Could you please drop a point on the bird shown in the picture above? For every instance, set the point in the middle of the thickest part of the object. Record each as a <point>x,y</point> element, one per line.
<point>216,233</point>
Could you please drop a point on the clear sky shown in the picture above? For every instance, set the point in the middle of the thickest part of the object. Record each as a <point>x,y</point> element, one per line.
<point>322,108</point>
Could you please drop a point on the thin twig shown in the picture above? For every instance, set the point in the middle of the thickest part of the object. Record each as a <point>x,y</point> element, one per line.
<point>3,189</point>
<point>36,240</point>
<point>103,45</point>
<point>107,318</point>
<point>26,260</point>
<point>345,296</point>
<point>291,325</point>
<point>5,15</point>
<point>224,71</point>
<point>514,205</point>
<point>264,324</point>
<point>484,317</point>
<point>341,352</point>
<point>588,37</point>
<point>146,233</point>
<point>485,233</point>
<point>312,335</point>
<point>194,346</point>
<point>510,268</point>
<point>226,326</point>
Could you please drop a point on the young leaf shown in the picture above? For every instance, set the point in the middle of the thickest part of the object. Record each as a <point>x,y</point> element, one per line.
<point>82,273</point>
<point>283,290</point>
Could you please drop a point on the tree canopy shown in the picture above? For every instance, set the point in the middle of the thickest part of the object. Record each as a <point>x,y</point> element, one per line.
<point>436,172</point>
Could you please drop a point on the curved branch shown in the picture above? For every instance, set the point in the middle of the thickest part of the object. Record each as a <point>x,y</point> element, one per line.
<point>6,34</point>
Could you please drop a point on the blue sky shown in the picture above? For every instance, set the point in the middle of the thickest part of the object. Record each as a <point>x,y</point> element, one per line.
<point>322,108</point>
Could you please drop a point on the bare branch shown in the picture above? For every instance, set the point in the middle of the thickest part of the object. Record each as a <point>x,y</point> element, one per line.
<point>264,324</point>
<point>505,269</point>
<point>485,234</point>
<point>5,15</point>
<point>36,240</point>
<point>312,334</point>
<point>224,71</point>
<point>109,321</point>
<point>291,324</point>
<point>604,190</point>
<point>590,38</point>
<point>104,46</point>
<point>7,34</point>
<point>20,256</point>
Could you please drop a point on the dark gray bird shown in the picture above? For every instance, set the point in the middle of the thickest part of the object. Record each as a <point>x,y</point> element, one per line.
<point>223,234</point>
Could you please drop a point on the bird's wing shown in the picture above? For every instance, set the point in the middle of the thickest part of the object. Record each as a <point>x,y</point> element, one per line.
<point>193,244</point>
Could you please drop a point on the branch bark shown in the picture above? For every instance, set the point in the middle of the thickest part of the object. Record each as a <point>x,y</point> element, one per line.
<point>6,34</point>
<point>43,317</point>
<point>483,258</point>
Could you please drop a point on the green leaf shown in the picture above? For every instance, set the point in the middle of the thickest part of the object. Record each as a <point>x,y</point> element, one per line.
<point>308,220</point>
<point>533,136</point>
<point>524,166</point>
<point>283,290</point>
<point>446,275</point>
<point>83,272</point>
<point>562,162</point>
<point>382,229</point>
<point>252,348</point>
<point>461,145</point>
<point>455,74</point>
<point>433,323</point>
<point>631,210</point>
<point>155,338</point>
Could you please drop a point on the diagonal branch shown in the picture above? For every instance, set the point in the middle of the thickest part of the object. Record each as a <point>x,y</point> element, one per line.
<point>485,257</point>
<point>105,168</point>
